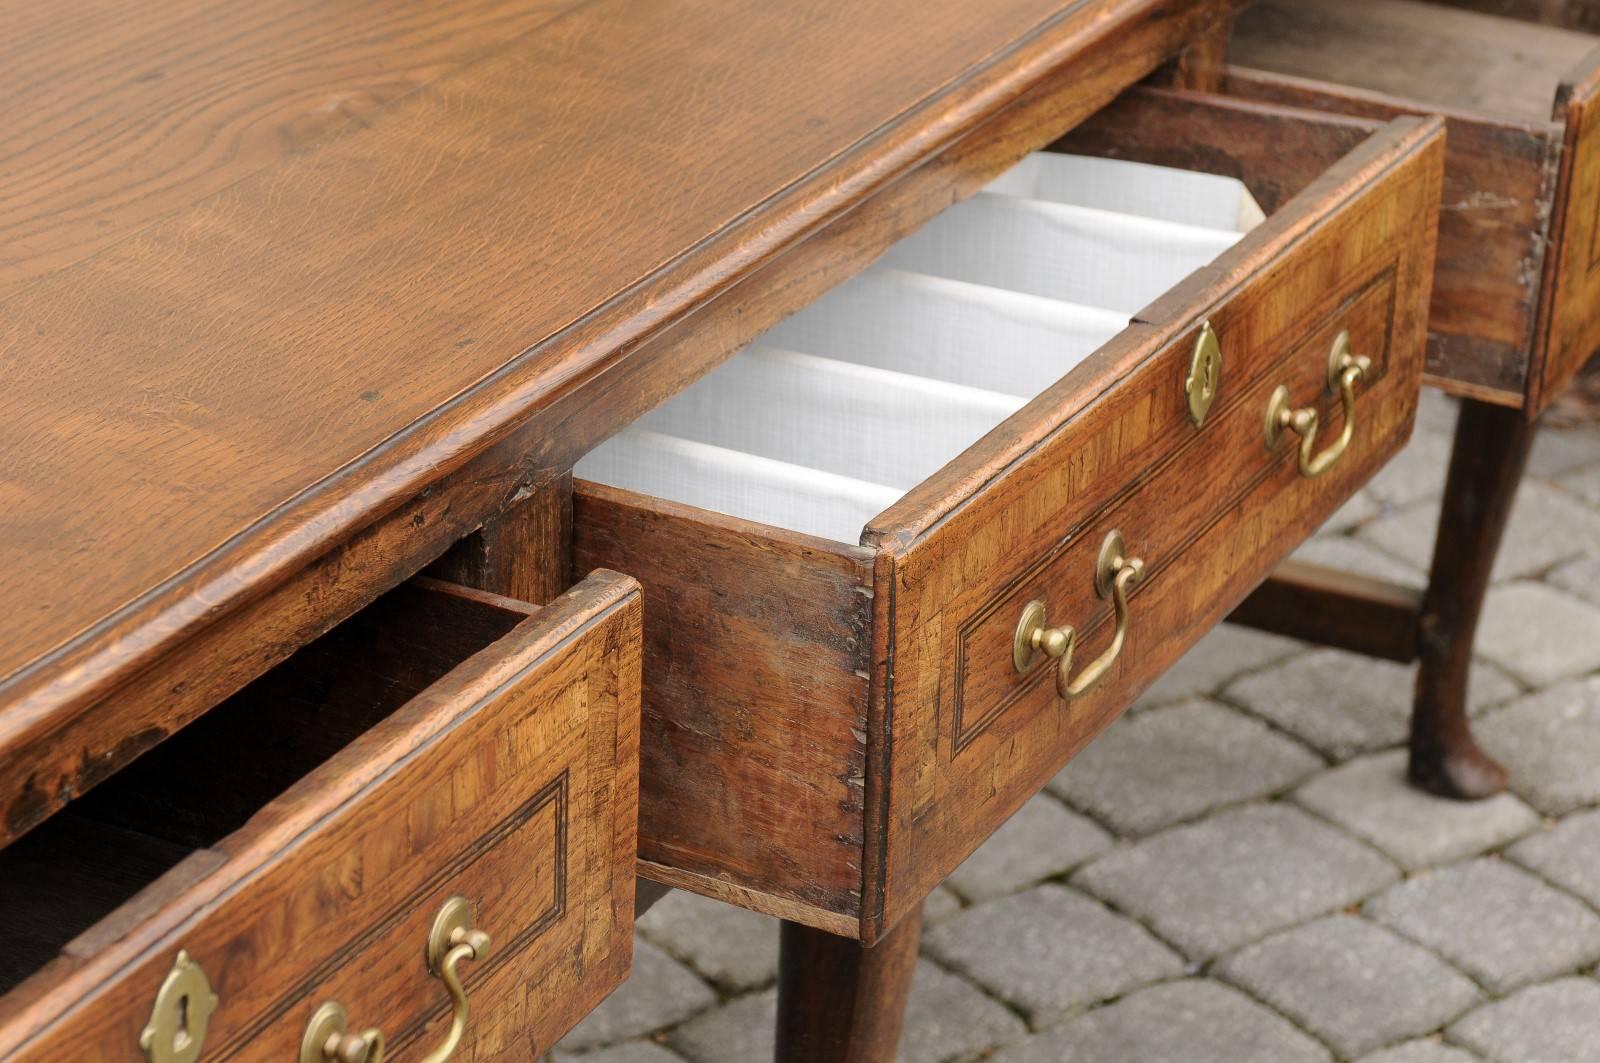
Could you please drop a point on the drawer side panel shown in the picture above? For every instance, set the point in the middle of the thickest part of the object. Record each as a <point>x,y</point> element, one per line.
<point>755,701</point>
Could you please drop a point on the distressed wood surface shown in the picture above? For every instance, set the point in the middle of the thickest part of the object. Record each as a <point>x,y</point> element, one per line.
<point>1570,330</point>
<point>840,1002</point>
<point>1571,14</point>
<point>879,802</point>
<point>1111,446</point>
<point>314,426</point>
<point>755,695</point>
<point>1514,308</point>
<point>1426,52</point>
<point>1498,187</point>
<point>1274,150</point>
<point>1486,463</point>
<point>510,781</point>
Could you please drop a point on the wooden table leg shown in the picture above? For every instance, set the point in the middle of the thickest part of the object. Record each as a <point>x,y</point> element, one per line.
<point>839,1002</point>
<point>1491,451</point>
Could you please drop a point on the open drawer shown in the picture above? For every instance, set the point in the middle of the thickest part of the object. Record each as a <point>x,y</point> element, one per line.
<point>1518,281</point>
<point>442,788</point>
<point>830,728</point>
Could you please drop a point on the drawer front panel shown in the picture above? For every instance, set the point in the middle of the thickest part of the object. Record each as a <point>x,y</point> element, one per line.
<point>512,782</point>
<point>1171,515</point>
<point>1210,510</point>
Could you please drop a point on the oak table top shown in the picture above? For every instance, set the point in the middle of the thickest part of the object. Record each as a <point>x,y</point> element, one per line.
<point>269,270</point>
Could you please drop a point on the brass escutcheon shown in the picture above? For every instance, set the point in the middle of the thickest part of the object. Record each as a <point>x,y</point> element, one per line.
<point>1345,371</point>
<point>184,1005</point>
<point>1114,575</point>
<point>452,940</point>
<point>1205,374</point>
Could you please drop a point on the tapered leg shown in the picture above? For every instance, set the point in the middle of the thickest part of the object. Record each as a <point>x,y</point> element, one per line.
<point>839,1002</point>
<point>1491,450</point>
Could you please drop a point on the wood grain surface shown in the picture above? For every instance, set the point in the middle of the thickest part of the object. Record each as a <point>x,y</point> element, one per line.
<point>117,114</point>
<point>1514,306</point>
<point>1569,331</point>
<point>510,781</point>
<point>1426,52</point>
<point>1571,14</point>
<point>333,368</point>
<point>1500,177</point>
<point>878,805</point>
<point>1023,512</point>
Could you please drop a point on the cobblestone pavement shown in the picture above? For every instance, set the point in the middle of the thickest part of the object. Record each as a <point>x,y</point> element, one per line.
<point>1234,871</point>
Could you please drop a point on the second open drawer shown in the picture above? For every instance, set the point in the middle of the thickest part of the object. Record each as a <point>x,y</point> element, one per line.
<point>832,723</point>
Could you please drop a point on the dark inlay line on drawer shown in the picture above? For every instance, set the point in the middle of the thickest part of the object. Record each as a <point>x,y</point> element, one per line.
<point>554,791</point>
<point>963,733</point>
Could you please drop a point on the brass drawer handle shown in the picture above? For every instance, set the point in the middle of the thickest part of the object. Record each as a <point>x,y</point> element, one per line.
<point>328,1038</point>
<point>1345,370</point>
<point>1114,575</point>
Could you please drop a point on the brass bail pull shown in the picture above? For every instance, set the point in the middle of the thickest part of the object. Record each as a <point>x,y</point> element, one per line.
<point>1115,575</point>
<point>452,941</point>
<point>1345,371</point>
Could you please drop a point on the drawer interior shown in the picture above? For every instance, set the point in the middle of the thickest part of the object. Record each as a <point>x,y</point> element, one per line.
<point>181,800</point>
<point>830,417</point>
<point>1433,53</point>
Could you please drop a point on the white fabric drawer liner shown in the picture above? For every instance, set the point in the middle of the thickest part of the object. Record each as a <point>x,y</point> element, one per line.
<point>1181,196</point>
<point>833,414</point>
<point>950,330</point>
<point>740,485</point>
<point>854,420</point>
<point>1076,254</point>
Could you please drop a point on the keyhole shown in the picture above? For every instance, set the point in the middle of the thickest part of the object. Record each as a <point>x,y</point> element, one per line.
<point>1211,377</point>
<point>180,1036</point>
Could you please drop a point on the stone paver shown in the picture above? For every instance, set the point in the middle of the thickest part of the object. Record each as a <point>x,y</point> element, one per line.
<point>1422,1052</point>
<point>1580,578</point>
<point>1361,508</point>
<point>1585,483</point>
<point>1050,950</point>
<point>629,1052</point>
<point>946,1019</point>
<point>941,904</point>
<point>1550,742</point>
<point>730,947</point>
<point>1436,413</point>
<point>1554,1023</point>
<point>1184,1022</point>
<point>1157,768</point>
<point>1538,634</point>
<point>1496,922</point>
<point>1239,848</point>
<point>738,1032</point>
<point>1415,473</point>
<point>1369,797</point>
<point>1567,855</point>
<point>1042,840</point>
<point>1557,451</point>
<point>1352,984</point>
<point>1342,704</point>
<point>1352,555</point>
<point>1547,526</point>
<point>660,992</point>
<point>1238,876</point>
<point>1224,652</point>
